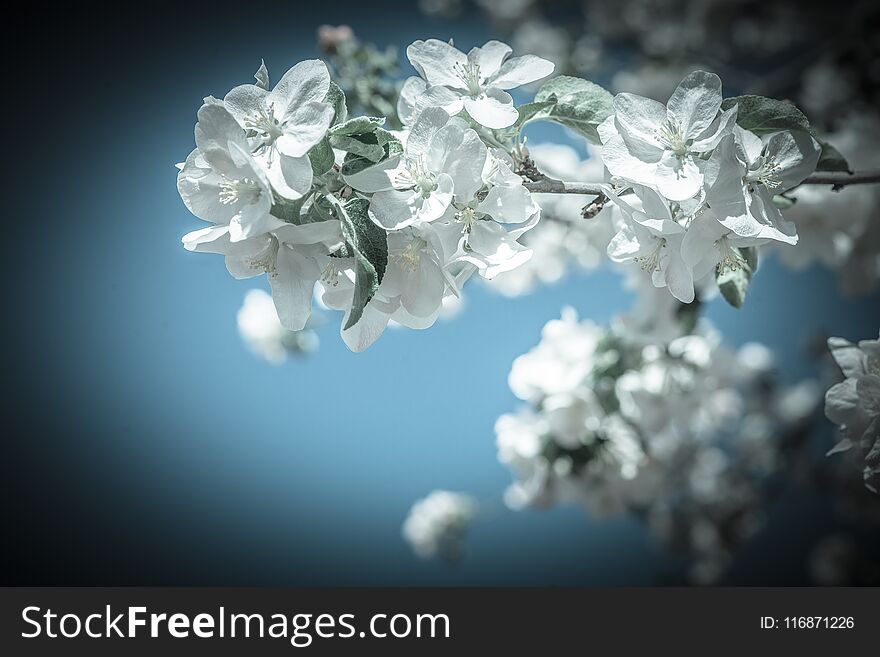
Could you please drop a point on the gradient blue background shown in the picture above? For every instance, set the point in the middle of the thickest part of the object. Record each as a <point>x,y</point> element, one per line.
<point>145,444</point>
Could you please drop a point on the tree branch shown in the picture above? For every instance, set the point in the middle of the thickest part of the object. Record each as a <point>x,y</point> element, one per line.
<point>836,179</point>
<point>842,179</point>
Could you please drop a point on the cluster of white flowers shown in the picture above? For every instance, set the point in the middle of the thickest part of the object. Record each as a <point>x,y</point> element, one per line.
<point>704,185</point>
<point>251,160</point>
<point>854,403</point>
<point>670,424</point>
<point>261,330</point>
<point>444,205</point>
<point>437,524</point>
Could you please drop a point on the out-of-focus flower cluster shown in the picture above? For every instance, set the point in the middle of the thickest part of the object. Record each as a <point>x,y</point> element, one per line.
<point>668,424</point>
<point>262,332</point>
<point>854,403</point>
<point>437,524</point>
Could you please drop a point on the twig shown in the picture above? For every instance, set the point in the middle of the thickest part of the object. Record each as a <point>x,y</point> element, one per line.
<point>836,179</point>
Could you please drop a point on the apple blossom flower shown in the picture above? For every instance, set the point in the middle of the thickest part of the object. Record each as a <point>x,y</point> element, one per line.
<point>440,158</point>
<point>745,172</point>
<point>285,123</point>
<point>653,238</point>
<point>476,82</point>
<point>221,182</point>
<point>664,147</point>
<point>483,224</point>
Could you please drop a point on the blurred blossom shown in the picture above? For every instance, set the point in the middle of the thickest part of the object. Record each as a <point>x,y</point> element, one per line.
<point>854,403</point>
<point>437,524</point>
<point>262,332</point>
<point>655,417</point>
<point>331,38</point>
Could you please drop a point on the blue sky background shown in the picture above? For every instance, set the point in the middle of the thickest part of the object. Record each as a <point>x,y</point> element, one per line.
<point>167,453</point>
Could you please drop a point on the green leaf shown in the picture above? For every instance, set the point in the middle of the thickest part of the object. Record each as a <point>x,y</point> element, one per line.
<point>288,211</point>
<point>336,98</point>
<point>831,159</point>
<point>734,283</point>
<point>764,115</point>
<point>358,126</point>
<point>391,146</point>
<point>321,156</point>
<point>369,244</point>
<point>531,111</point>
<point>579,104</point>
<point>372,152</point>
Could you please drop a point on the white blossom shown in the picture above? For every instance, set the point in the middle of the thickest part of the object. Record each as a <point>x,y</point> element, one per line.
<point>652,236</point>
<point>745,172</point>
<point>221,182</point>
<point>650,144</point>
<point>476,82</point>
<point>284,123</point>
<point>441,157</point>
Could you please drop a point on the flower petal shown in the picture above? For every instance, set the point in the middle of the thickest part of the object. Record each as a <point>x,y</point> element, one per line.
<point>641,117</point>
<point>513,204</point>
<point>304,126</point>
<point>293,283</point>
<point>306,82</point>
<point>412,88</point>
<point>678,178</point>
<point>290,177</point>
<point>244,101</point>
<point>848,357</point>
<point>796,154</point>
<point>695,103</point>
<point>435,61</point>
<point>434,206</point>
<point>494,109</point>
<point>394,209</point>
<point>521,70</point>
<point>489,57</point>
<point>378,177</point>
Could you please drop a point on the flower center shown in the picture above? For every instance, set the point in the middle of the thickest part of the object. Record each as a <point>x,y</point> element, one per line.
<point>242,190</point>
<point>264,124</point>
<point>670,135</point>
<point>410,256</point>
<point>416,176</point>
<point>469,74</point>
<point>467,216</point>
<point>731,258</point>
<point>651,261</point>
<point>766,172</point>
<point>330,274</point>
<point>266,260</point>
